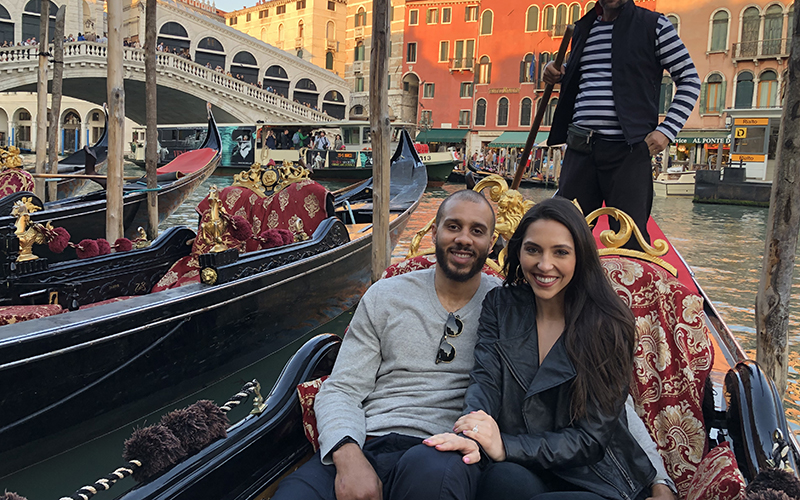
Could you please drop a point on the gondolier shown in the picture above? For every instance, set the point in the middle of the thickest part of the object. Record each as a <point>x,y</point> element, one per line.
<point>608,108</point>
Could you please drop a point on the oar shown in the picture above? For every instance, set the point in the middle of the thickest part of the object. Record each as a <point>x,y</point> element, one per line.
<point>80,176</point>
<point>537,121</point>
<point>348,188</point>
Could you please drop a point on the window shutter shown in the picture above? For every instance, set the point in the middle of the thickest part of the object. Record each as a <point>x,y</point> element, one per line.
<point>489,74</point>
<point>522,72</point>
<point>722,97</point>
<point>703,98</point>
<point>466,13</point>
<point>476,75</point>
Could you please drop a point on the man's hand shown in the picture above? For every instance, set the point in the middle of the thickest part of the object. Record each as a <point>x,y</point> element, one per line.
<point>481,427</point>
<point>661,492</point>
<point>451,442</point>
<point>656,142</point>
<point>355,477</point>
<point>552,75</point>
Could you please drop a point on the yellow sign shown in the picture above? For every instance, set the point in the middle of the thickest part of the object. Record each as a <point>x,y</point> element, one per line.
<point>741,133</point>
<point>751,121</point>
<point>748,158</point>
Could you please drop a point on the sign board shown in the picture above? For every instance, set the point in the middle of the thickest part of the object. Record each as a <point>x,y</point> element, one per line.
<point>504,90</point>
<point>238,145</point>
<point>343,159</point>
<point>703,140</point>
<point>748,158</point>
<point>751,121</point>
<point>741,133</point>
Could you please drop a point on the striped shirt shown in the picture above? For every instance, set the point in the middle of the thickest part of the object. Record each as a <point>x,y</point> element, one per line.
<point>594,106</point>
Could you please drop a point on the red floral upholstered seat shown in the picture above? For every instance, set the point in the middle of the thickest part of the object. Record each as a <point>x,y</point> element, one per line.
<point>14,180</point>
<point>16,314</point>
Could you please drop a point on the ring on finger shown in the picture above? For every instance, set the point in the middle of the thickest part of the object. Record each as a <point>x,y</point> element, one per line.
<point>475,429</point>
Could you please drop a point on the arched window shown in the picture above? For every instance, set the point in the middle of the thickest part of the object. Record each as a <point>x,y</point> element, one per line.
<point>306,84</point>
<point>6,26</point>
<point>173,29</point>
<point>245,67</point>
<point>300,27</point>
<point>485,70</point>
<point>300,53</point>
<point>30,19</point>
<point>210,51</point>
<point>773,30</point>
<point>675,22</point>
<point>330,31</point>
<point>790,24</point>
<point>589,6</point>
<point>361,17</point>
<point>525,112</point>
<point>486,22</point>
<point>263,34</point>
<point>329,60</point>
<point>280,32</point>
<point>719,31</point>
<point>714,99</point>
<point>750,24</point>
<point>333,104</point>
<point>574,13</point>
<point>544,58</point>
<point>276,79</point>
<point>548,16</point>
<point>561,20</point>
<point>665,95</point>
<point>551,109</point>
<point>305,91</point>
<point>359,51</point>
<point>767,89</point>
<point>502,112</point>
<point>744,90</point>
<point>480,112</point>
<point>532,19</point>
<point>526,69</point>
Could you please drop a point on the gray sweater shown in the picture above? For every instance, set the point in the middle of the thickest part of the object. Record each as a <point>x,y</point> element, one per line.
<point>385,378</point>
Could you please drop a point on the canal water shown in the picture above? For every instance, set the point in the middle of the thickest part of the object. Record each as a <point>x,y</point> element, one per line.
<point>722,244</point>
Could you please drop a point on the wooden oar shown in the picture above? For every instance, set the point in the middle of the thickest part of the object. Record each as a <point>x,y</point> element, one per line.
<point>348,188</point>
<point>79,176</point>
<point>537,121</point>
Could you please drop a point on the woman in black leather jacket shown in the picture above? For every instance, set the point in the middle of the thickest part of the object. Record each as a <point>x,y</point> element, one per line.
<point>552,368</point>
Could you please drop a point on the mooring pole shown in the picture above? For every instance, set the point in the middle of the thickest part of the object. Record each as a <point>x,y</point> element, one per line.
<point>41,97</point>
<point>55,105</point>
<point>151,134</point>
<point>116,123</point>
<point>775,286</point>
<point>379,123</point>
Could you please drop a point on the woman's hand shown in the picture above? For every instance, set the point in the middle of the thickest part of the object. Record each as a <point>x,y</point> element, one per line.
<point>451,442</point>
<point>481,427</point>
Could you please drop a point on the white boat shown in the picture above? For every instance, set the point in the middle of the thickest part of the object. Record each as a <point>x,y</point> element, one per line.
<point>674,184</point>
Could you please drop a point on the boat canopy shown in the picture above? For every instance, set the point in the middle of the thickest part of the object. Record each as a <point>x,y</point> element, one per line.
<point>442,135</point>
<point>516,139</point>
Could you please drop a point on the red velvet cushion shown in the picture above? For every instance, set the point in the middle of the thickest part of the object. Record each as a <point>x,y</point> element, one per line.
<point>673,359</point>
<point>307,392</point>
<point>16,314</point>
<point>717,477</point>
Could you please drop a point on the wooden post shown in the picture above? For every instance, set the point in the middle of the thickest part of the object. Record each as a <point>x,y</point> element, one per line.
<point>379,124</point>
<point>151,135</point>
<point>41,96</point>
<point>116,123</point>
<point>55,106</point>
<point>774,290</point>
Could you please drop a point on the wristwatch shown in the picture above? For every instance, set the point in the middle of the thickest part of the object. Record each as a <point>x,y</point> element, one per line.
<point>344,441</point>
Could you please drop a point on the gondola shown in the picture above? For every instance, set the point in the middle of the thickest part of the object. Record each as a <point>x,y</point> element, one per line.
<point>75,164</point>
<point>261,449</point>
<point>85,216</point>
<point>132,356</point>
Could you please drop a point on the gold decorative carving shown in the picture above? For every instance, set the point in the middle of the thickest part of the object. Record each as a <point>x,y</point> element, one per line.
<point>511,206</point>
<point>250,179</point>
<point>272,178</point>
<point>26,232</point>
<point>296,227</point>
<point>141,241</point>
<point>9,157</point>
<point>208,276</point>
<point>258,400</point>
<point>212,230</point>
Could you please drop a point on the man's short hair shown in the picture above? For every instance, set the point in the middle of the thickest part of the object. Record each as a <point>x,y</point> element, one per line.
<point>466,195</point>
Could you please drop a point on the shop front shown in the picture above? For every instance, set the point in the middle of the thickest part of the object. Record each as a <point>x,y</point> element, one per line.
<point>700,149</point>
<point>755,142</point>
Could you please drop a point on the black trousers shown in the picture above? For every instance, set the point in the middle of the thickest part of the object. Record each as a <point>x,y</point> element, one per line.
<point>408,469</point>
<point>614,172</point>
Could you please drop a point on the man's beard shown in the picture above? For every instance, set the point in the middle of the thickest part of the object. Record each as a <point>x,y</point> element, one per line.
<point>457,274</point>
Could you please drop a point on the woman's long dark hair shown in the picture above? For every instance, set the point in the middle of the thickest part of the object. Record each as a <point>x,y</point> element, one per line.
<point>599,332</point>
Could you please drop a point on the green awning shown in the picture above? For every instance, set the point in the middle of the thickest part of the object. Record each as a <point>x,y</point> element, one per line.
<point>703,137</point>
<point>516,139</point>
<point>442,135</point>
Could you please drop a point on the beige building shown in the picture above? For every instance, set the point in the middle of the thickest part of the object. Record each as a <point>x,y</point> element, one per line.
<point>313,30</point>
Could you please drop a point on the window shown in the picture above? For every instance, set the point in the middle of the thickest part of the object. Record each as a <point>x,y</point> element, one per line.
<point>486,22</point>
<point>447,14</point>
<point>673,20</point>
<point>589,6</point>
<point>561,20</point>
<point>331,5</point>
<point>471,13</point>
<point>712,97</point>
<point>280,9</point>
<point>773,30</point>
<point>744,90</point>
<point>263,13</point>
<point>360,84</point>
<point>330,31</point>
<point>300,53</point>
<point>532,19</point>
<point>548,15</point>
<point>463,118</point>
<point>361,17</point>
<point>329,60</point>
<point>234,20</point>
<point>301,4</point>
<point>502,112</point>
<point>751,20</point>
<point>525,112</point>
<point>544,58</point>
<point>767,89</point>
<point>485,70</point>
<point>527,69</point>
<point>248,17</point>
<point>466,89</point>
<point>665,95</point>
<point>444,51</point>
<point>432,16</point>
<point>480,112</point>
<point>427,117</point>
<point>427,90</point>
<point>413,17</point>
<point>719,32</point>
<point>464,54</point>
<point>551,109</point>
<point>411,53</point>
<point>574,13</point>
<point>280,32</point>
<point>25,116</point>
<point>359,52</point>
<point>300,30</point>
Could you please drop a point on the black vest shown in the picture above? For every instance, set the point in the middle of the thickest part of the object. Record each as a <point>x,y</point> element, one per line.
<point>635,73</point>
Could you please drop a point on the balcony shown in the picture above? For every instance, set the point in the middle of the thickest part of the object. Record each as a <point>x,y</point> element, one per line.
<point>298,43</point>
<point>358,66</point>
<point>761,49</point>
<point>330,44</point>
<point>279,44</point>
<point>359,32</point>
<point>462,64</point>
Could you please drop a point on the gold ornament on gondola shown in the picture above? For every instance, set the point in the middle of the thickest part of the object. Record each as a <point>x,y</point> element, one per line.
<point>270,179</point>
<point>26,232</point>
<point>211,231</point>
<point>9,157</point>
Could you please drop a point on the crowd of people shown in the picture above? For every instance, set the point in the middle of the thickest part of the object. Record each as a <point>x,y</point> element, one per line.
<point>300,139</point>
<point>82,37</point>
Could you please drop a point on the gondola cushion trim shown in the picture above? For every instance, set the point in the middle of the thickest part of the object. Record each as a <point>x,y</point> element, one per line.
<point>16,314</point>
<point>718,476</point>
<point>307,392</point>
<point>14,181</point>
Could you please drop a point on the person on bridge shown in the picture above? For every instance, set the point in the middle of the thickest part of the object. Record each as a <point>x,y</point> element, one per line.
<point>607,112</point>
